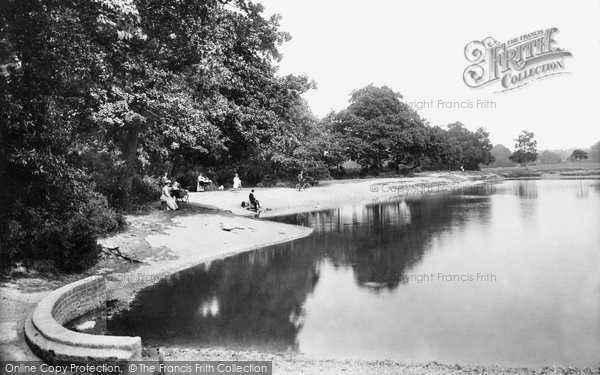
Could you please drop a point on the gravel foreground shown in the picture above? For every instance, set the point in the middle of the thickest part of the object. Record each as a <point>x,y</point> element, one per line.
<point>293,363</point>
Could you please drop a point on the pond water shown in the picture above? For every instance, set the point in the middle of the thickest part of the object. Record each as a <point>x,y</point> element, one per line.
<point>508,276</point>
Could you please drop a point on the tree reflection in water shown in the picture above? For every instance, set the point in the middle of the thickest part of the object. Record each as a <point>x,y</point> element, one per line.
<point>256,299</point>
<point>380,242</point>
<point>252,299</point>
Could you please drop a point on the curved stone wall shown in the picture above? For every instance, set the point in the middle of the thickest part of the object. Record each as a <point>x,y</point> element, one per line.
<point>53,343</point>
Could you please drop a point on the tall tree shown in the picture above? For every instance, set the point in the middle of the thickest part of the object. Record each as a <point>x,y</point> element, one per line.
<point>377,129</point>
<point>525,149</point>
<point>501,156</point>
<point>473,147</point>
<point>443,151</point>
<point>580,155</point>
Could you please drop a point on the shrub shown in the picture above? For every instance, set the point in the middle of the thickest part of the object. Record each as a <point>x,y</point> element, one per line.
<point>521,173</point>
<point>145,189</point>
<point>268,180</point>
<point>224,176</point>
<point>55,215</point>
<point>255,173</point>
<point>188,178</point>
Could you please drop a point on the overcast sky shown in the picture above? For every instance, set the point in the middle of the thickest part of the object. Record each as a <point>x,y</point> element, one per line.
<point>417,48</point>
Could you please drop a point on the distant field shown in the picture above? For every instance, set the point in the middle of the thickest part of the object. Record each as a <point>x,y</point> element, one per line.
<point>564,168</point>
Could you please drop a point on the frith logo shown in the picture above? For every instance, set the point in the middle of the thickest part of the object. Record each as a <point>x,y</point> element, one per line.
<point>515,63</point>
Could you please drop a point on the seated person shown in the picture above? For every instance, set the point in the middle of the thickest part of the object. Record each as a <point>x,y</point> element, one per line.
<point>202,182</point>
<point>166,196</point>
<point>253,201</point>
<point>177,191</point>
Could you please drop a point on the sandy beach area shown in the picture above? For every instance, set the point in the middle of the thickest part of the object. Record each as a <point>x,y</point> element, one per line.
<point>211,226</point>
<point>335,193</point>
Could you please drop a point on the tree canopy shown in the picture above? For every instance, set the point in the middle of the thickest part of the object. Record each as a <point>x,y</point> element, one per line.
<point>525,149</point>
<point>548,156</point>
<point>95,96</point>
<point>501,156</point>
<point>379,131</point>
<point>580,155</point>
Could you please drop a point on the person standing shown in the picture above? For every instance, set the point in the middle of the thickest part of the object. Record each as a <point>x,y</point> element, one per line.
<point>164,180</point>
<point>237,183</point>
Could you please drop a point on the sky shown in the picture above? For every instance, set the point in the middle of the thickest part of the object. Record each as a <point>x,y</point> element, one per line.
<point>417,49</point>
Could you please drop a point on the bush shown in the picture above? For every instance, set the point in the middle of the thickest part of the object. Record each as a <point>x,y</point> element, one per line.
<point>224,176</point>
<point>145,189</point>
<point>521,173</point>
<point>255,173</point>
<point>188,178</point>
<point>56,216</point>
<point>268,181</point>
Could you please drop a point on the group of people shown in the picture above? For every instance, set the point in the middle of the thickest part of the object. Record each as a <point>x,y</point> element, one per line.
<point>170,192</point>
<point>204,181</point>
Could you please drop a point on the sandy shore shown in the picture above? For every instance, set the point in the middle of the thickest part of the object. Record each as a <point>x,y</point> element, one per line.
<point>170,241</point>
<point>214,225</point>
<point>328,194</point>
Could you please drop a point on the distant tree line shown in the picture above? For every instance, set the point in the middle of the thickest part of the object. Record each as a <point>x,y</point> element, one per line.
<point>380,132</point>
<point>526,153</point>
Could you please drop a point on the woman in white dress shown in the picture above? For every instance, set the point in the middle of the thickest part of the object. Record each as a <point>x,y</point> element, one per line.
<point>167,198</point>
<point>237,183</point>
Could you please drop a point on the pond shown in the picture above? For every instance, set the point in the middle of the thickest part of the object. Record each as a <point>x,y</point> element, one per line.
<point>508,275</point>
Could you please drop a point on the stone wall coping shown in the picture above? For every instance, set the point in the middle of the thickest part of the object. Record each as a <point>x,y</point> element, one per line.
<point>81,345</point>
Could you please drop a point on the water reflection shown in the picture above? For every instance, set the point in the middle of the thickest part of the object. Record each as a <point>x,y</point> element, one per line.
<point>380,242</point>
<point>526,189</point>
<point>583,190</point>
<point>352,288</point>
<point>257,298</point>
<point>254,299</point>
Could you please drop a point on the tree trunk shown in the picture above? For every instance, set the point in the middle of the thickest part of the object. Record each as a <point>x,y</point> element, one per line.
<point>130,154</point>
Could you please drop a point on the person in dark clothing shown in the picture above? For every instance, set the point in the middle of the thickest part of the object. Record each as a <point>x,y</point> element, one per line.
<point>253,201</point>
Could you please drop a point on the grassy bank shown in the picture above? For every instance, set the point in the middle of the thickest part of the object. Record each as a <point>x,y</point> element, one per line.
<point>550,171</point>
